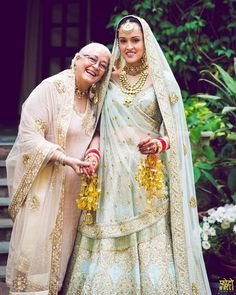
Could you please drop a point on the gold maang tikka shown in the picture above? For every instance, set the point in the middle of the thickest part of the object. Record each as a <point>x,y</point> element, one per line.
<point>127,27</point>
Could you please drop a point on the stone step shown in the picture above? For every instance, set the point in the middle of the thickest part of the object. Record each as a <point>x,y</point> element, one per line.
<point>3,182</point>
<point>3,188</point>
<point>4,290</point>
<point>5,228</point>
<point>5,223</point>
<point>3,171</point>
<point>4,202</point>
<point>5,149</point>
<point>2,272</point>
<point>4,247</point>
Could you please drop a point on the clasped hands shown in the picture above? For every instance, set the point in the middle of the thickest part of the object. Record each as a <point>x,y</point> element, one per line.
<point>86,167</point>
<point>148,146</point>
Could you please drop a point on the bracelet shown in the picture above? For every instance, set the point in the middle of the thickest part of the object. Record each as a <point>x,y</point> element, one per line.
<point>163,143</point>
<point>92,155</point>
<point>167,140</point>
<point>94,151</point>
<point>62,159</point>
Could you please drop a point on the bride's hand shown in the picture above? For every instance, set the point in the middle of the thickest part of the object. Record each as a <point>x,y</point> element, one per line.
<point>148,146</point>
<point>80,167</point>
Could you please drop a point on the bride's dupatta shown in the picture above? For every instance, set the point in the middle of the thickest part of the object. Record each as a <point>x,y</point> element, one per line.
<point>36,186</point>
<point>190,269</point>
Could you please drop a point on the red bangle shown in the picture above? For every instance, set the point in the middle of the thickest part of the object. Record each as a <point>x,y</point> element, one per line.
<point>95,151</point>
<point>163,143</point>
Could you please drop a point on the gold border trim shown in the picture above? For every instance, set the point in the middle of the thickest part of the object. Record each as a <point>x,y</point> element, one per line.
<point>26,182</point>
<point>114,230</point>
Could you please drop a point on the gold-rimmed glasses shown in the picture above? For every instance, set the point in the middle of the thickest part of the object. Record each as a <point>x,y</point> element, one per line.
<point>94,60</point>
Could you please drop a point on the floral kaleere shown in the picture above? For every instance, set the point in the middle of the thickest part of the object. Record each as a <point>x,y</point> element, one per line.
<point>150,176</point>
<point>89,195</point>
<point>218,232</point>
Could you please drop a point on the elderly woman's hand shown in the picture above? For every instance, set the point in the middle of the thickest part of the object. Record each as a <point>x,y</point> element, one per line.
<point>148,146</point>
<point>80,167</point>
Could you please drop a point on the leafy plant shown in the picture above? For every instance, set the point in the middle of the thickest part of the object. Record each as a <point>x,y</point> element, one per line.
<point>223,103</point>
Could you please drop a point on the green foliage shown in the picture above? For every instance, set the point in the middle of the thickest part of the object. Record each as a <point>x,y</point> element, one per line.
<point>222,102</point>
<point>192,34</point>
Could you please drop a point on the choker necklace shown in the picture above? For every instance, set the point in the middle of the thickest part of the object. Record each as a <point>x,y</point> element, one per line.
<point>132,89</point>
<point>135,70</point>
<point>79,92</point>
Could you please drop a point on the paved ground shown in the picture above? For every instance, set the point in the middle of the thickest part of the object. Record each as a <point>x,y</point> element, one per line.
<point>3,289</point>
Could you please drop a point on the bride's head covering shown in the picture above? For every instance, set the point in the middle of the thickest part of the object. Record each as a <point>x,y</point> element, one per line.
<point>189,264</point>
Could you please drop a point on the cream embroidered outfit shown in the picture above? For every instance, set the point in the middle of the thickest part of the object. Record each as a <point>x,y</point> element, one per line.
<point>127,250</point>
<point>43,193</point>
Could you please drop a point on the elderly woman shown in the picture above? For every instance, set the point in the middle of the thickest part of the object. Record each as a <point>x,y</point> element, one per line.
<point>145,239</point>
<point>57,125</point>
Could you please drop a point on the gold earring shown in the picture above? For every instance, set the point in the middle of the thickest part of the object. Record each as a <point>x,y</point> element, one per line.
<point>144,58</point>
<point>117,62</point>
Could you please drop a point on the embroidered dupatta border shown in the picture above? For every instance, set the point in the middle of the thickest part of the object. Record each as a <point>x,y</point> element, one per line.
<point>176,194</point>
<point>28,177</point>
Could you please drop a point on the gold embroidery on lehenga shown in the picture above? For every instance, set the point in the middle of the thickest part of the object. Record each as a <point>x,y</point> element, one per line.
<point>123,228</point>
<point>20,283</point>
<point>193,202</point>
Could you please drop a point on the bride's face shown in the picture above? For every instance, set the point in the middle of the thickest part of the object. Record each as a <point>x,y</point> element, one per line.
<point>131,44</point>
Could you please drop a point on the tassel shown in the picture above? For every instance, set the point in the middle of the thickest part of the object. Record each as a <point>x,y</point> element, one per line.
<point>150,176</point>
<point>89,195</point>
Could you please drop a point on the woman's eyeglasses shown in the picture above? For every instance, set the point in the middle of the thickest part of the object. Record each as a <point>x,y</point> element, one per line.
<point>94,60</point>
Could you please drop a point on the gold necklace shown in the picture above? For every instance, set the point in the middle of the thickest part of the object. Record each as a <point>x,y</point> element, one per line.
<point>79,92</point>
<point>135,70</point>
<point>132,89</point>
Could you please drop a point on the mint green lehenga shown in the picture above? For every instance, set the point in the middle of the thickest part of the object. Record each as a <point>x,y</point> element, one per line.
<point>128,250</point>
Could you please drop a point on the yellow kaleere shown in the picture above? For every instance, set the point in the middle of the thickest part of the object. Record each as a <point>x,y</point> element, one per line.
<point>150,176</point>
<point>89,195</point>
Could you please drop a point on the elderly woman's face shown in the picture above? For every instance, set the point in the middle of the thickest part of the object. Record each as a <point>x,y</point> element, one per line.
<point>92,65</point>
<point>131,44</point>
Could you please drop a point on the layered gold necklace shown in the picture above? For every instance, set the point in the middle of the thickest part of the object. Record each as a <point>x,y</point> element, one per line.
<point>132,89</point>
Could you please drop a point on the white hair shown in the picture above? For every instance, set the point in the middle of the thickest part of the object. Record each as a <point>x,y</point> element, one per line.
<point>94,45</point>
<point>85,49</point>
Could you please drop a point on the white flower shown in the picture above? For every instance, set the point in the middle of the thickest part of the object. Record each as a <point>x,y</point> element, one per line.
<point>205,218</point>
<point>205,226</point>
<point>212,231</point>
<point>210,211</point>
<point>211,219</point>
<point>234,229</point>
<point>206,245</point>
<point>204,237</point>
